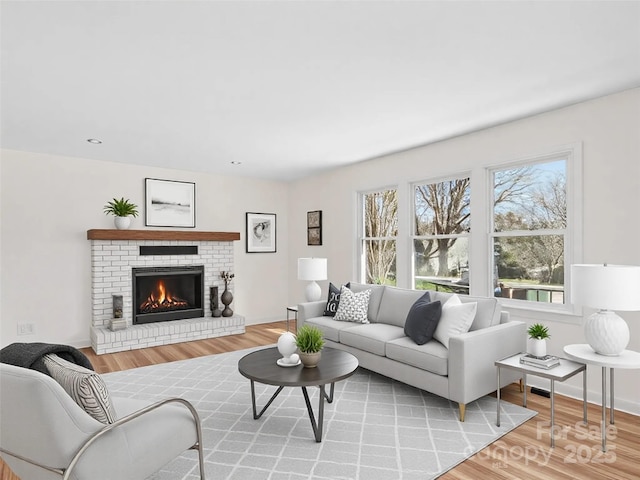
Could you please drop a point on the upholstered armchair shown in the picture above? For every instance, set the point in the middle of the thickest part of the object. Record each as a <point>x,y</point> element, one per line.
<point>45,434</point>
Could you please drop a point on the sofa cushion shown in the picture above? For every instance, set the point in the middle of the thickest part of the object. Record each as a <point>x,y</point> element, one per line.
<point>487,315</point>
<point>330,328</point>
<point>353,307</point>
<point>85,386</point>
<point>432,356</point>
<point>422,319</point>
<point>371,338</point>
<point>456,319</point>
<point>374,299</point>
<point>395,305</point>
<point>333,300</point>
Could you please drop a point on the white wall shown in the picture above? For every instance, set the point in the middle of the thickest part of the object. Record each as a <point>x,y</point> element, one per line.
<point>48,204</point>
<point>39,236</point>
<point>609,131</point>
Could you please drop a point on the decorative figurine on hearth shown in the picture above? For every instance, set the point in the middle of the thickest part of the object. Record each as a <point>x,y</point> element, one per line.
<point>117,322</point>
<point>227,297</point>
<point>213,293</point>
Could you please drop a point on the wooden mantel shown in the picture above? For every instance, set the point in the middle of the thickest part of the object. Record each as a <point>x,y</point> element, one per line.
<point>96,234</point>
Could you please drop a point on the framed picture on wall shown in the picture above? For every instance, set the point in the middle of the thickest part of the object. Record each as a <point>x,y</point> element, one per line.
<point>169,203</point>
<point>314,227</point>
<point>261,232</point>
<point>314,236</point>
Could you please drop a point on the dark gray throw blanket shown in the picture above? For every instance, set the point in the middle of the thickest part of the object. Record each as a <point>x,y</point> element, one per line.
<point>29,355</point>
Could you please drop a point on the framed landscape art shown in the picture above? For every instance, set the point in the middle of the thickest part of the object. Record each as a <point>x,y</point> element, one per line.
<point>169,203</point>
<point>261,232</point>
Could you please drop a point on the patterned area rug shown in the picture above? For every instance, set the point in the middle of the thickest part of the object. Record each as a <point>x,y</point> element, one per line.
<point>375,429</point>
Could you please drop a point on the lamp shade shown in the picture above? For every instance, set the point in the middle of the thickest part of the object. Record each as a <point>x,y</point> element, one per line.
<point>312,269</point>
<point>606,287</point>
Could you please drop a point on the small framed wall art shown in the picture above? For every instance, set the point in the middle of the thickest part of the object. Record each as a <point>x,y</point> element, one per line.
<point>169,203</point>
<point>314,227</point>
<point>261,232</point>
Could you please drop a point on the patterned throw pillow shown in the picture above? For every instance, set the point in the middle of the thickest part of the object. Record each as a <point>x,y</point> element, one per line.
<point>85,386</point>
<point>353,307</point>
<point>333,300</point>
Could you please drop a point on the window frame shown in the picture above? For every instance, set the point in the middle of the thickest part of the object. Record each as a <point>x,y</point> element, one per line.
<point>412,236</point>
<point>480,238</point>
<point>572,250</point>
<point>362,263</point>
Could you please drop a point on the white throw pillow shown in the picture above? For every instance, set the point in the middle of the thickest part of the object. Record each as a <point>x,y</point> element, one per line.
<point>353,307</point>
<point>456,319</point>
<point>85,386</point>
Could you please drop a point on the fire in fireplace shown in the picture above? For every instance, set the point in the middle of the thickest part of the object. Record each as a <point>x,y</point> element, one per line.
<point>167,293</point>
<point>162,300</point>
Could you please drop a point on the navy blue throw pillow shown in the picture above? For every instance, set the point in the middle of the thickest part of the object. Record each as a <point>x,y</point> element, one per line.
<point>422,319</point>
<point>333,300</point>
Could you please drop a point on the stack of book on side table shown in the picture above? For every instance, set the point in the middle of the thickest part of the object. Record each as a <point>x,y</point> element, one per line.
<point>548,361</point>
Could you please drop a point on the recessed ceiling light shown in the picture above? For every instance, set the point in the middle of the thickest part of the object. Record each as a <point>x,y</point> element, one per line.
<point>95,141</point>
<point>235,162</point>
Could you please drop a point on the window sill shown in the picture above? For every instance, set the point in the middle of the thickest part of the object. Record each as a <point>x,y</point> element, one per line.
<point>537,312</point>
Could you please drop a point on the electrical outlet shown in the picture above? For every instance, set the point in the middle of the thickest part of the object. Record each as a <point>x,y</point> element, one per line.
<point>26,328</point>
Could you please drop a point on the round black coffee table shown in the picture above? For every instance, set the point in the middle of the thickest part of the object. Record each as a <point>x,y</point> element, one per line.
<point>260,366</point>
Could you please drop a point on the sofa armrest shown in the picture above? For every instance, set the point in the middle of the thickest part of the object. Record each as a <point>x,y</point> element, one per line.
<point>310,310</point>
<point>472,357</point>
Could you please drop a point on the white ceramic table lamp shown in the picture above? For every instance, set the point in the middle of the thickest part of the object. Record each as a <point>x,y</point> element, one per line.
<point>607,288</point>
<point>312,269</point>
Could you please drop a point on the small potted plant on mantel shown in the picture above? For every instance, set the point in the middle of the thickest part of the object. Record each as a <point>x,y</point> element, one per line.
<point>538,333</point>
<point>122,210</point>
<point>310,342</point>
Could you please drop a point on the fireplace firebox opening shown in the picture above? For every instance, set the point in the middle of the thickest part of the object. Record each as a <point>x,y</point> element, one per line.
<point>162,294</point>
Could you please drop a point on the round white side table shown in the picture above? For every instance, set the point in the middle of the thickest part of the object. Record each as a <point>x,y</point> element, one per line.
<point>627,359</point>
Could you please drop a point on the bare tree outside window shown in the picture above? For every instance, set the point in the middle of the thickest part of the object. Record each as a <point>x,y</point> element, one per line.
<point>441,230</point>
<point>380,232</point>
<point>529,233</point>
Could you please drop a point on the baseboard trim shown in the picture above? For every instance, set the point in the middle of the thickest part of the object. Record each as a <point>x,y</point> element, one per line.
<point>592,396</point>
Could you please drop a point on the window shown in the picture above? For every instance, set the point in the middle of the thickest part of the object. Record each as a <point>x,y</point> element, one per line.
<point>442,220</point>
<point>529,230</point>
<point>510,230</point>
<point>378,243</point>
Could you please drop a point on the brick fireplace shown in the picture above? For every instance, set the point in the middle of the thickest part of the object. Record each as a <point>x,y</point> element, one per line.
<point>117,254</point>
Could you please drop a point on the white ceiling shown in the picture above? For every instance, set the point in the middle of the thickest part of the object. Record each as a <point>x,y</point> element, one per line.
<point>289,88</point>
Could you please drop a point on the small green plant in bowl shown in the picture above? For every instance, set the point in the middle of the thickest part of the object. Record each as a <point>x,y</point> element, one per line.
<point>309,339</point>
<point>538,334</point>
<point>538,331</point>
<point>121,208</point>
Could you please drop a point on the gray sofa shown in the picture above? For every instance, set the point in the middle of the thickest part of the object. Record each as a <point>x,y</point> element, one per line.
<point>462,373</point>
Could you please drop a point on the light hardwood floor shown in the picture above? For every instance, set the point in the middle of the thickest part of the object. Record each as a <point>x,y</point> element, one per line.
<point>523,454</point>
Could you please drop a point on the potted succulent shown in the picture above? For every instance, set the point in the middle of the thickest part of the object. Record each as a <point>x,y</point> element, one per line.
<point>122,210</point>
<point>538,334</point>
<point>309,342</point>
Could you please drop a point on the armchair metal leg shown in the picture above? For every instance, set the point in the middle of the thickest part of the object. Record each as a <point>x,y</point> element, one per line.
<point>32,462</point>
<point>198,446</point>
<point>462,407</point>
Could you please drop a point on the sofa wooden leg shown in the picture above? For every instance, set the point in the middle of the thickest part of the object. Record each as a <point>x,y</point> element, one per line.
<point>521,386</point>
<point>462,407</point>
